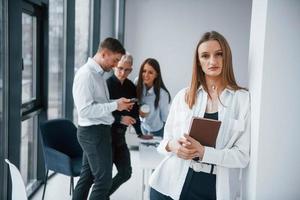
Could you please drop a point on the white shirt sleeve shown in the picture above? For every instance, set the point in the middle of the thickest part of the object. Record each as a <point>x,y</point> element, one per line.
<point>83,90</point>
<point>168,130</point>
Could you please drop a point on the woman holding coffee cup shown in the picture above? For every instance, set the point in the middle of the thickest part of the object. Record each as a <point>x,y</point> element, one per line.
<point>154,98</point>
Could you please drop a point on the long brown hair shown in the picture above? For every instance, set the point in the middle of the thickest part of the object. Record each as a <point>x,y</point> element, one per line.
<point>158,82</point>
<point>198,76</point>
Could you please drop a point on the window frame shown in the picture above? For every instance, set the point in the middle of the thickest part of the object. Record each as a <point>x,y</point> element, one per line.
<point>34,106</point>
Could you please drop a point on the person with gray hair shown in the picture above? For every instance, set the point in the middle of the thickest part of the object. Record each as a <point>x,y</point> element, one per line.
<point>120,86</point>
<point>127,58</point>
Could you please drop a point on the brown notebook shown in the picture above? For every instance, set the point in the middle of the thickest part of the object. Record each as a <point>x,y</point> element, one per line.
<point>204,130</point>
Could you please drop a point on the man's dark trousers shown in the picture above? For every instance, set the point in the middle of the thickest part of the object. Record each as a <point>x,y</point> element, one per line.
<point>96,169</point>
<point>121,157</point>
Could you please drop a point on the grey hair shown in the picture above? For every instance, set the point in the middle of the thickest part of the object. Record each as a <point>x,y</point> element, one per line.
<point>127,58</point>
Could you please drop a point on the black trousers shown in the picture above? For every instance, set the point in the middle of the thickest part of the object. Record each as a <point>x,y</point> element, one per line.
<point>120,156</point>
<point>97,162</point>
<point>197,186</point>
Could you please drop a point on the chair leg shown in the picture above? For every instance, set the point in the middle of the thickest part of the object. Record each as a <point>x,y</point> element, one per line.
<point>71,185</point>
<point>45,182</point>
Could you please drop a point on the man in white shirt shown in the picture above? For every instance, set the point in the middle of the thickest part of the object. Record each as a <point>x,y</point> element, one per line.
<point>94,109</point>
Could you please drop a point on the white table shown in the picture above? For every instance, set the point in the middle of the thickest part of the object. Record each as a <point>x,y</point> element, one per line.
<point>149,159</point>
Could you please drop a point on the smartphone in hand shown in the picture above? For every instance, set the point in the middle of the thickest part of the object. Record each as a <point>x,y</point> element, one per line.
<point>133,100</point>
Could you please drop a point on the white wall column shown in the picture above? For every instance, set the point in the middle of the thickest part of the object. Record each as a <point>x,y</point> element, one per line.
<point>274,79</point>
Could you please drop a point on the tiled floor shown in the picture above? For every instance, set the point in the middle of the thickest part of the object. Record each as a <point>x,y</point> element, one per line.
<point>58,186</point>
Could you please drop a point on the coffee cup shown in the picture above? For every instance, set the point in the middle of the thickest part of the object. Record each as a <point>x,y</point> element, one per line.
<point>144,110</point>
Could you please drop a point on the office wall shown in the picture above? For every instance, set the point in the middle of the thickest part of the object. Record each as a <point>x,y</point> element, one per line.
<point>169,30</point>
<point>274,85</point>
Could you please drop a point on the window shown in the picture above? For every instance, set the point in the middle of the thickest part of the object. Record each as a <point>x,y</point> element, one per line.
<point>29,94</point>
<point>82,37</point>
<point>82,29</point>
<point>3,139</point>
<point>32,90</point>
<point>56,58</point>
<point>29,58</point>
<point>2,63</point>
<point>28,150</point>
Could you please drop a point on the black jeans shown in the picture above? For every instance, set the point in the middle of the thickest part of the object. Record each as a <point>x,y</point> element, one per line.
<point>97,162</point>
<point>197,186</point>
<point>121,157</point>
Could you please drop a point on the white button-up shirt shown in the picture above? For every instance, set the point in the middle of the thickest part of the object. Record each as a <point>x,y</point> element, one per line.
<point>232,146</point>
<point>91,96</point>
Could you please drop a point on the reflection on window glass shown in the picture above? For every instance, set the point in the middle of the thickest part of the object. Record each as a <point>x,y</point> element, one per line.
<point>28,150</point>
<point>82,29</point>
<point>2,48</point>
<point>56,58</point>
<point>29,57</point>
<point>2,137</point>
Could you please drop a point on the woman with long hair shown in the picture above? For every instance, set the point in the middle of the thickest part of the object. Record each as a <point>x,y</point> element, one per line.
<point>152,92</point>
<point>190,170</point>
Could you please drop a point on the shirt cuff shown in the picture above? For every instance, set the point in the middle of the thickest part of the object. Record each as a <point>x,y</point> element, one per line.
<point>162,148</point>
<point>113,106</point>
<point>211,155</point>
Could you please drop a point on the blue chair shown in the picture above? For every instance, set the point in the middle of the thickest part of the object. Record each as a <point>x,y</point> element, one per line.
<point>62,152</point>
